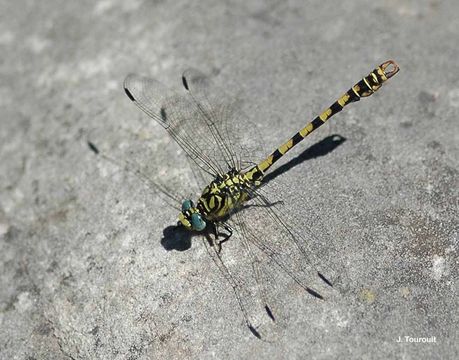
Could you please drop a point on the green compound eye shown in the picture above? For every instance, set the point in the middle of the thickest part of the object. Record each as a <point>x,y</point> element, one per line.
<point>187,205</point>
<point>197,223</point>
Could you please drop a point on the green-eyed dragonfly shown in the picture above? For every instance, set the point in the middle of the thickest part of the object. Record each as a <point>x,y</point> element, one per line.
<point>233,203</point>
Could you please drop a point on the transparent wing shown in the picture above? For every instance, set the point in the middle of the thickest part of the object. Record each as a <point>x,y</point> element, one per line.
<point>131,166</point>
<point>215,111</point>
<point>277,249</point>
<point>309,234</point>
<point>180,117</point>
<point>261,258</point>
<point>237,135</point>
<point>284,251</point>
<point>210,128</point>
<point>245,287</point>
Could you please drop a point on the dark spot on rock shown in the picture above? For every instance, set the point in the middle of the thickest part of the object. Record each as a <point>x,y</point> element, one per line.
<point>20,273</point>
<point>93,265</point>
<point>52,266</point>
<point>67,279</point>
<point>94,330</point>
<point>166,299</point>
<point>9,304</point>
<point>187,318</point>
<point>370,158</point>
<point>426,97</point>
<point>58,216</point>
<point>11,234</point>
<point>163,337</point>
<point>434,145</point>
<point>43,329</point>
<point>406,124</point>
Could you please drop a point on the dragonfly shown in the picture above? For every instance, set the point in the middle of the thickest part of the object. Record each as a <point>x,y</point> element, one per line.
<point>234,203</point>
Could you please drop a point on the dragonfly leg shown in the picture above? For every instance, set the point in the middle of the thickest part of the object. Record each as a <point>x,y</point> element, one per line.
<point>226,235</point>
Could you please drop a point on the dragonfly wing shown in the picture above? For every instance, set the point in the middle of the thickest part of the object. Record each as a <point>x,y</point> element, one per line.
<point>284,253</point>
<point>235,263</point>
<point>182,119</point>
<point>239,141</point>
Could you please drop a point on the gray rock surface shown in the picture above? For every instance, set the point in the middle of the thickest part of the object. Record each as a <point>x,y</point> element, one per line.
<point>83,272</point>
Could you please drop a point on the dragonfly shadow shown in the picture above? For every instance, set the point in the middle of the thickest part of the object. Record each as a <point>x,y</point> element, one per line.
<point>321,148</point>
<point>176,238</point>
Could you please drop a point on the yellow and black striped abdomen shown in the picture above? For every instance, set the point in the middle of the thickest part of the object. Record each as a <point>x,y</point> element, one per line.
<point>365,87</point>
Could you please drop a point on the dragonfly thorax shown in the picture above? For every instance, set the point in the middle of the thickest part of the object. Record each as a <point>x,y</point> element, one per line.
<point>223,195</point>
<point>226,193</point>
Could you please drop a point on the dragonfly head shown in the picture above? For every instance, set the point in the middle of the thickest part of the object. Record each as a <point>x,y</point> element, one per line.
<point>190,217</point>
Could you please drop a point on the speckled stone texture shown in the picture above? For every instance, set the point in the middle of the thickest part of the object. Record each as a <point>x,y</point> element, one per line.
<point>84,273</point>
